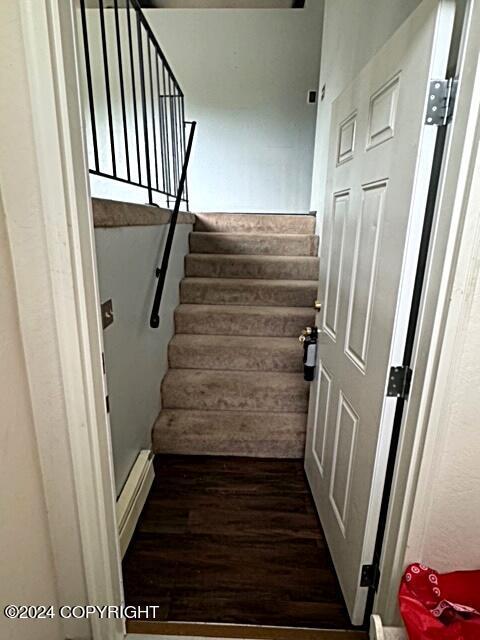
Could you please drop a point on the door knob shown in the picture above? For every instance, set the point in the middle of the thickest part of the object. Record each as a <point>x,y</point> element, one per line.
<point>317,305</point>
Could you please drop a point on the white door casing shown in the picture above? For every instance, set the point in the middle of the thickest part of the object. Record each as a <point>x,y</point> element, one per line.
<point>379,166</point>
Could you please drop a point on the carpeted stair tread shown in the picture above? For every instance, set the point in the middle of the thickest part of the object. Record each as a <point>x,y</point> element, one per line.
<point>232,291</point>
<point>234,391</point>
<point>275,244</point>
<point>240,433</point>
<point>204,265</point>
<point>254,223</point>
<point>235,353</point>
<point>234,384</point>
<point>242,320</point>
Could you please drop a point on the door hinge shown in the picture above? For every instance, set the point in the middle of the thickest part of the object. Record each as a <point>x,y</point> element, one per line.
<point>440,103</point>
<point>370,576</point>
<point>107,403</point>
<point>399,382</point>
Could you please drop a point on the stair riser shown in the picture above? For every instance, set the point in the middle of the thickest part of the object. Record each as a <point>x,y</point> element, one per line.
<point>230,434</point>
<point>236,244</point>
<point>217,322</point>
<point>225,392</point>
<point>202,266</point>
<point>254,223</point>
<point>257,293</point>
<point>225,357</point>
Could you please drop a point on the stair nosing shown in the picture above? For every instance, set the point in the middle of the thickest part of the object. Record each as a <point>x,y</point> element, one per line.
<point>283,373</point>
<point>255,235</point>
<point>249,280</point>
<point>245,256</point>
<point>210,336</point>
<point>211,370</point>
<point>275,310</point>
<point>292,413</point>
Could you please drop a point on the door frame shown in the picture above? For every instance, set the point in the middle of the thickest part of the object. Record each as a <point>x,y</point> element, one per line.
<point>430,222</point>
<point>59,307</point>
<point>67,239</point>
<point>448,272</point>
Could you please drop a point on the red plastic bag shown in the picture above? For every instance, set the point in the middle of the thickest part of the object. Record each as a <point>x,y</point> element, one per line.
<point>440,606</point>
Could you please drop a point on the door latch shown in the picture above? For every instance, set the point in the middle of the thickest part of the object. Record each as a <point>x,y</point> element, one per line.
<point>309,338</point>
<point>107,313</point>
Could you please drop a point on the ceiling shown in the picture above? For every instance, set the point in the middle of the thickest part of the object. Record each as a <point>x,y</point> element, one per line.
<point>222,4</point>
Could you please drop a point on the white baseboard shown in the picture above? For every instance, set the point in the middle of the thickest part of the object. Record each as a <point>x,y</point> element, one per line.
<point>379,632</point>
<point>134,493</point>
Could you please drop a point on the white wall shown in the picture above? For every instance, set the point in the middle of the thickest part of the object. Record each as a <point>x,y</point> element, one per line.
<point>245,75</point>
<point>452,516</point>
<point>135,354</point>
<point>25,552</point>
<point>353,30</point>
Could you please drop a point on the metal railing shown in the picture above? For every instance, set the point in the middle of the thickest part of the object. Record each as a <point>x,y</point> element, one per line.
<point>136,129</point>
<point>162,271</point>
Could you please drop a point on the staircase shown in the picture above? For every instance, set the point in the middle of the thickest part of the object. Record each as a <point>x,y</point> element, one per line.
<point>235,384</point>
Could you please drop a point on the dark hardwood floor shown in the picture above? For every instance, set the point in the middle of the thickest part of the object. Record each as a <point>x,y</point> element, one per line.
<point>233,540</point>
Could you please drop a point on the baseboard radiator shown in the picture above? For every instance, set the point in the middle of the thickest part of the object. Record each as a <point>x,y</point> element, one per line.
<point>134,494</point>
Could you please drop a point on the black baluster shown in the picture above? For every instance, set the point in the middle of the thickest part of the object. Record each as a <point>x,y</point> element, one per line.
<point>134,93</point>
<point>122,88</point>
<point>91,101</point>
<point>107,87</point>
<point>144,108</point>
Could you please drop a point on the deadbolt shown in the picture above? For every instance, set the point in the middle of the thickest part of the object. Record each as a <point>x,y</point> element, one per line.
<point>317,305</point>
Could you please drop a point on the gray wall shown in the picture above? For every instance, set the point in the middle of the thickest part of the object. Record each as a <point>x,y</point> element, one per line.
<point>135,354</point>
<point>245,75</point>
<point>353,30</point>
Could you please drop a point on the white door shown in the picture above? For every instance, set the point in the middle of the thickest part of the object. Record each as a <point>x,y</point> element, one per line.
<point>380,158</point>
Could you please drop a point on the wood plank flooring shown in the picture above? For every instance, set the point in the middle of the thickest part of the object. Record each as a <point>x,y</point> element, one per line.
<point>233,540</point>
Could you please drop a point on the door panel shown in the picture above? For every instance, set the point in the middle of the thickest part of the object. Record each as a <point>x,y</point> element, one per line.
<point>324,397</point>
<point>380,158</point>
<point>335,261</point>
<point>363,277</point>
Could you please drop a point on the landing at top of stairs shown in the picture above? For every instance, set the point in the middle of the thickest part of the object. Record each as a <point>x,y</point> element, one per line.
<point>255,223</point>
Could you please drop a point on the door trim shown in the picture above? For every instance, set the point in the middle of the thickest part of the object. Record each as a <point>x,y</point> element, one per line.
<point>56,257</point>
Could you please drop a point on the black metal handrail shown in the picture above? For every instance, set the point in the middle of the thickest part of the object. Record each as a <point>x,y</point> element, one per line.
<point>162,271</point>
<point>139,139</point>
